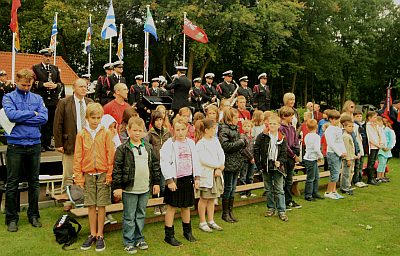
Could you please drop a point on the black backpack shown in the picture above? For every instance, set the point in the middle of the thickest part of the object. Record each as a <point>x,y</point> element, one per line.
<point>65,232</point>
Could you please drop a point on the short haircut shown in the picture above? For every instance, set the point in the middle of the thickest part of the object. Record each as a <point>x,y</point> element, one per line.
<point>229,114</point>
<point>357,112</point>
<point>247,122</point>
<point>154,116</point>
<point>79,82</point>
<point>308,114</point>
<point>241,97</point>
<point>25,74</point>
<point>267,114</point>
<point>137,121</point>
<point>345,119</point>
<point>326,111</point>
<point>275,117</point>
<point>379,119</point>
<point>312,124</point>
<point>94,108</point>
<point>286,111</point>
<point>287,96</point>
<point>118,86</point>
<point>370,114</point>
<point>333,114</point>
<point>128,113</point>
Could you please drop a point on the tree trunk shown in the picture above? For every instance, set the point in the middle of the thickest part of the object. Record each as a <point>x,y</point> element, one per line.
<point>294,82</point>
<point>204,67</point>
<point>344,87</point>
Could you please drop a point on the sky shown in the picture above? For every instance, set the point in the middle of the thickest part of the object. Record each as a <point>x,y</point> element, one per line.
<point>397,1</point>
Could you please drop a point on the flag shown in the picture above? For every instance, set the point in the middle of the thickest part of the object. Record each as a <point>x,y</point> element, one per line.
<point>53,38</point>
<point>194,32</point>
<point>388,105</point>
<point>149,26</point>
<point>88,39</point>
<point>14,22</point>
<point>109,29</point>
<point>120,51</point>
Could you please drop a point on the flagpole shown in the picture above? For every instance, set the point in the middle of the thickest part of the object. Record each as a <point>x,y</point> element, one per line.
<point>109,59</point>
<point>146,53</point>
<point>184,41</point>
<point>90,23</point>
<point>55,42</point>
<point>13,59</point>
<point>120,31</point>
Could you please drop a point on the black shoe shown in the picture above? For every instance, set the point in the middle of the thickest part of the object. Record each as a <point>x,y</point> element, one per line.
<point>12,226</point>
<point>170,236</point>
<point>318,196</point>
<point>49,148</point>
<point>187,232</point>
<point>100,244</point>
<point>311,199</point>
<point>372,182</point>
<point>35,222</point>
<point>295,205</point>
<point>43,149</point>
<point>88,243</point>
<point>348,192</point>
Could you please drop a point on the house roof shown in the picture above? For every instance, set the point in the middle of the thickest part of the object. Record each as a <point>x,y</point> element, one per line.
<point>25,60</point>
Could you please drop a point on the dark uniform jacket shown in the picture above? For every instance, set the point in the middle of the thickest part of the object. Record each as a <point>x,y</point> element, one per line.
<point>197,98</point>
<point>261,97</point>
<point>157,92</point>
<point>4,88</point>
<point>107,87</point>
<point>248,94</point>
<point>225,90</point>
<point>209,92</point>
<point>181,86</point>
<point>137,92</point>
<point>44,75</point>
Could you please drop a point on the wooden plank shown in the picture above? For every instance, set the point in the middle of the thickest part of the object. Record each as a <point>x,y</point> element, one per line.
<point>252,186</point>
<point>300,178</point>
<point>61,198</point>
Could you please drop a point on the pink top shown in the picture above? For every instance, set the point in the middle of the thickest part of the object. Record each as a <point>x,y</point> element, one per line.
<point>184,160</point>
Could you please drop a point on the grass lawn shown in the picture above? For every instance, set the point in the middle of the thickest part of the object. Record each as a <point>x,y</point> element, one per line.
<point>326,227</point>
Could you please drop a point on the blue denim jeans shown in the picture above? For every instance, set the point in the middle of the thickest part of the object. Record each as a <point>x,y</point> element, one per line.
<point>334,163</point>
<point>273,184</point>
<point>133,217</point>
<point>230,180</point>
<point>22,159</point>
<point>247,175</point>
<point>312,180</point>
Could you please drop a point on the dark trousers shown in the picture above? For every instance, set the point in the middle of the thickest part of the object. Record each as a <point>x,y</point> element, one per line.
<point>22,158</point>
<point>373,154</point>
<point>288,181</point>
<point>358,168</point>
<point>247,175</point>
<point>312,181</point>
<point>47,129</point>
<point>230,180</point>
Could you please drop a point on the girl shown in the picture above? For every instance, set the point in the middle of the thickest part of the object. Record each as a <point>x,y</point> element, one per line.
<point>375,140</point>
<point>232,144</point>
<point>212,113</point>
<point>258,123</point>
<point>225,104</point>
<point>385,153</point>
<point>186,113</point>
<point>128,113</point>
<point>212,160</point>
<point>166,122</point>
<point>181,168</point>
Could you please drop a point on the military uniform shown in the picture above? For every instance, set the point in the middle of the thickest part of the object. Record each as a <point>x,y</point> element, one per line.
<point>262,95</point>
<point>156,92</point>
<point>197,96</point>
<point>4,88</point>
<point>137,92</point>
<point>181,86</point>
<point>226,89</point>
<point>246,92</point>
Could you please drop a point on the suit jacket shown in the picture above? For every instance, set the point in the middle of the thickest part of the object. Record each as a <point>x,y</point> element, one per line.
<point>42,75</point>
<point>106,93</point>
<point>210,92</point>
<point>225,90</point>
<point>64,127</point>
<point>181,86</point>
<point>262,97</point>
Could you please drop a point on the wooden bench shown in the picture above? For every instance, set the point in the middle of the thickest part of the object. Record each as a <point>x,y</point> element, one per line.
<point>50,180</point>
<point>300,178</point>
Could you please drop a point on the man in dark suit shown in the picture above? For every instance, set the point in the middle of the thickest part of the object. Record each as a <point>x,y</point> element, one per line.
<point>103,88</point>
<point>155,89</point>
<point>68,121</point>
<point>181,86</point>
<point>197,95</point>
<point>246,92</point>
<point>136,94</point>
<point>209,89</point>
<point>48,85</point>
<point>262,94</point>
<point>226,88</point>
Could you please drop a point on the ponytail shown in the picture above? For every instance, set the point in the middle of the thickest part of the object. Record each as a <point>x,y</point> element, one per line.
<point>201,126</point>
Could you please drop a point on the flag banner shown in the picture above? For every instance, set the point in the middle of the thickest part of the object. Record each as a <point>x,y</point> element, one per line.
<point>388,104</point>
<point>120,51</point>
<point>149,25</point>
<point>88,39</point>
<point>14,22</point>
<point>194,32</point>
<point>109,29</point>
<point>53,38</point>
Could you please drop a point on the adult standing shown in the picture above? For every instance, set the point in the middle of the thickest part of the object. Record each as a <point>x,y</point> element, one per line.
<point>5,86</point>
<point>28,112</point>
<point>181,86</point>
<point>246,92</point>
<point>262,94</point>
<point>69,119</point>
<point>116,107</point>
<point>226,88</point>
<point>103,86</point>
<point>394,116</point>
<point>289,100</point>
<point>48,85</point>
<point>211,93</point>
<point>136,94</point>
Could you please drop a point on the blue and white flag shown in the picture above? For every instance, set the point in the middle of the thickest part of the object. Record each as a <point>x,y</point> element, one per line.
<point>88,39</point>
<point>120,51</point>
<point>53,38</point>
<point>109,29</point>
<point>149,26</point>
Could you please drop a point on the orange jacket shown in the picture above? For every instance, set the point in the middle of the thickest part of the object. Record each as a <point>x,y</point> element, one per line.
<point>93,156</point>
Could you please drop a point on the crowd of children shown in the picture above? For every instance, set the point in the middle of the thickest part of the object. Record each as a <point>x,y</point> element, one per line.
<point>205,158</point>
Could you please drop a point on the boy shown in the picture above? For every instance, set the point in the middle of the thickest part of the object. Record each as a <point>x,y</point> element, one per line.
<point>247,172</point>
<point>244,114</point>
<point>348,161</point>
<point>93,165</point>
<point>293,150</point>
<point>136,167</point>
<point>362,140</point>
<point>312,143</point>
<point>335,151</point>
<point>270,152</point>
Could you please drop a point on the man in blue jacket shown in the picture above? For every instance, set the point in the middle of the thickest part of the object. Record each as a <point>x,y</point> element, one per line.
<point>28,112</point>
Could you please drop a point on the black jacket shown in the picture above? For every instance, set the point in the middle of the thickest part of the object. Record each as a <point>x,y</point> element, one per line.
<point>262,97</point>
<point>209,92</point>
<point>261,153</point>
<point>124,167</point>
<point>181,86</point>
<point>225,90</point>
<point>232,145</point>
<point>43,75</point>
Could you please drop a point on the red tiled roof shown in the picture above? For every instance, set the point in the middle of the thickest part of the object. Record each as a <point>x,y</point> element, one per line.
<point>25,60</point>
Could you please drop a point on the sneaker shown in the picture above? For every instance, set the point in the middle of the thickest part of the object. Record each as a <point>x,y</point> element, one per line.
<point>243,196</point>
<point>111,219</point>
<point>157,210</point>
<point>100,244</point>
<point>338,196</point>
<point>330,196</point>
<point>347,191</point>
<point>252,195</point>
<point>106,221</point>
<point>88,243</point>
<point>283,216</point>
<point>214,226</point>
<point>295,205</point>
<point>288,207</point>
<point>163,209</point>
<point>359,184</point>
<point>204,227</point>
<point>142,245</point>
<point>269,213</point>
<point>130,249</point>
<point>364,185</point>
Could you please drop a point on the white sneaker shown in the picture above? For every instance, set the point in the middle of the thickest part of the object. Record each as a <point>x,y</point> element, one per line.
<point>339,196</point>
<point>364,185</point>
<point>330,196</point>
<point>204,227</point>
<point>157,210</point>
<point>215,226</point>
<point>243,196</point>
<point>253,195</point>
<point>359,184</point>
<point>111,219</point>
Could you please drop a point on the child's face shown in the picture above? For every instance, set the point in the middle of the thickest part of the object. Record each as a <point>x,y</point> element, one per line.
<point>158,123</point>
<point>162,111</point>
<point>287,119</point>
<point>273,125</point>
<point>186,115</point>
<point>266,122</point>
<point>349,127</point>
<point>235,119</point>
<point>180,131</point>
<point>334,121</point>
<point>94,121</point>
<point>246,128</point>
<point>212,115</point>
<point>379,123</point>
<point>113,128</point>
<point>241,104</point>
<point>358,118</point>
<point>373,119</point>
<point>135,132</point>
<point>209,133</point>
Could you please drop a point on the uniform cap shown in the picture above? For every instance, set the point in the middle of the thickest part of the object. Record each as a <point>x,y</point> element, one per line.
<point>46,52</point>
<point>139,77</point>
<point>209,75</point>
<point>108,66</point>
<point>155,79</point>
<point>3,73</point>
<point>262,75</point>
<point>244,78</point>
<point>228,73</point>
<point>118,63</point>
<point>197,79</point>
<point>181,68</point>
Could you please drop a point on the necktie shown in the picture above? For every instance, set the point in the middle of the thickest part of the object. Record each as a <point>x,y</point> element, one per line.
<point>82,113</point>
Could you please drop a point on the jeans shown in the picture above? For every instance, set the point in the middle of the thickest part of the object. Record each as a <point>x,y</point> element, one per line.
<point>334,163</point>
<point>230,180</point>
<point>247,175</point>
<point>312,180</point>
<point>21,158</point>
<point>373,154</point>
<point>133,217</point>
<point>358,167</point>
<point>345,182</point>
<point>287,188</point>
<point>382,163</point>
<point>273,184</point>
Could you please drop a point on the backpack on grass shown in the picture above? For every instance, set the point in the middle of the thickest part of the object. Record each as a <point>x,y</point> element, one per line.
<point>65,232</point>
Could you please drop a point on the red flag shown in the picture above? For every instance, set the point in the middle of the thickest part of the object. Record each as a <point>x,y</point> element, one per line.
<point>388,104</point>
<point>194,32</point>
<point>14,18</point>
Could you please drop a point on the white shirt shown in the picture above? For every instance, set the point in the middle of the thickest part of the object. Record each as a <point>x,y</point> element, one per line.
<point>313,147</point>
<point>334,139</point>
<point>78,112</point>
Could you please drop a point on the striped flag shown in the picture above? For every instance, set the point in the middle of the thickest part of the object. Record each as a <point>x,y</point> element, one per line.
<point>53,38</point>
<point>14,22</point>
<point>120,51</point>
<point>88,39</point>
<point>109,29</point>
<point>149,26</point>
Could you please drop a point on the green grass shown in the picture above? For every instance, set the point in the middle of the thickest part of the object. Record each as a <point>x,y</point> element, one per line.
<point>324,227</point>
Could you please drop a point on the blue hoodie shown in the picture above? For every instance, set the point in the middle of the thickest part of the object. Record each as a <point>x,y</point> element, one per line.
<point>20,107</point>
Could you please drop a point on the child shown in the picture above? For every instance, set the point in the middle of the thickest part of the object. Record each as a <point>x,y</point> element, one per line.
<point>362,140</point>
<point>212,160</point>
<point>231,143</point>
<point>335,151</point>
<point>225,104</point>
<point>303,131</point>
<point>212,113</point>
<point>136,168</point>
<point>186,113</point>
<point>166,122</point>
<point>128,113</point>
<point>293,151</point>
<point>247,172</point>
<point>375,142</point>
<point>348,161</point>
<point>93,165</point>
<point>181,168</point>
<point>198,116</point>
<point>324,146</point>
<point>312,142</point>
<point>323,121</point>
<point>244,114</point>
<point>157,135</point>
<point>270,152</point>
<point>258,123</point>
<point>385,153</point>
